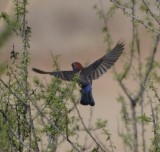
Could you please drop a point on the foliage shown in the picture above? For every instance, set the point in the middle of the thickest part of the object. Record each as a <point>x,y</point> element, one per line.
<point>144,74</point>
<point>36,116</point>
<point>32,111</point>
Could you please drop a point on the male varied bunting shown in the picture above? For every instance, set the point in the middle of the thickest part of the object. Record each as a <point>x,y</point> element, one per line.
<point>89,73</point>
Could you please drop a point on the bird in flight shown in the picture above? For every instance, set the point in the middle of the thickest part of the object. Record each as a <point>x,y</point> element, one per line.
<point>89,73</point>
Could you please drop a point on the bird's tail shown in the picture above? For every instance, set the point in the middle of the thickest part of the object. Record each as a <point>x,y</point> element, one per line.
<point>40,71</point>
<point>87,98</point>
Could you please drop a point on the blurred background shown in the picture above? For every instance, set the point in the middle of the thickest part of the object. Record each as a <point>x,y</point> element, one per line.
<point>72,30</point>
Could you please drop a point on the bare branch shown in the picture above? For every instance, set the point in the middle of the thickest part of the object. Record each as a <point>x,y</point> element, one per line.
<point>151,13</point>
<point>135,17</point>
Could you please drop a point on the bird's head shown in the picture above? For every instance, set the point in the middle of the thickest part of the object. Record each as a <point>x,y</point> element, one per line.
<point>76,66</point>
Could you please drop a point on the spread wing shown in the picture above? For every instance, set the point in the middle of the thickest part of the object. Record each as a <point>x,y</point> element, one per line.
<point>99,67</point>
<point>65,75</point>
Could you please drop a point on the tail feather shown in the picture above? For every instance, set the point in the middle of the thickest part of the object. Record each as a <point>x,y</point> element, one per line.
<point>87,98</point>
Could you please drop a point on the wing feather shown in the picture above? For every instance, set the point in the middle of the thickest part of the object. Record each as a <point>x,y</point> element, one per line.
<point>64,75</point>
<point>99,67</point>
<point>95,70</point>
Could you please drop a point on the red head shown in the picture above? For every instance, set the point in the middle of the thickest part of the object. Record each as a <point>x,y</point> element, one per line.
<point>76,66</point>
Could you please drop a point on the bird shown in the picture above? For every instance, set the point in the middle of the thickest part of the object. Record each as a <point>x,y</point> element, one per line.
<point>89,73</point>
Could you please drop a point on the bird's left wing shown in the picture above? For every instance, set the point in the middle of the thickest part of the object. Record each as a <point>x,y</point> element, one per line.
<point>99,67</point>
<point>64,75</point>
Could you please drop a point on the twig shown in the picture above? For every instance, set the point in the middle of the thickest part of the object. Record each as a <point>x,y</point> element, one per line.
<point>154,124</point>
<point>54,126</point>
<point>89,126</point>
<point>142,98</point>
<point>12,92</point>
<point>148,9</point>
<point>86,128</point>
<point>135,17</point>
<point>142,87</point>
<point>21,141</point>
<point>33,129</point>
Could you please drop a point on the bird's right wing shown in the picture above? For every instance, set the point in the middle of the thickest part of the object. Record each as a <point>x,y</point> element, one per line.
<point>64,75</point>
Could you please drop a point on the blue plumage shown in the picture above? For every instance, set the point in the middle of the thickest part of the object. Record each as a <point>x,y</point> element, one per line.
<point>86,97</point>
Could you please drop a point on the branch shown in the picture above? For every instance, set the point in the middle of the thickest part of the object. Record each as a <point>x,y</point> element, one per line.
<point>86,127</point>
<point>21,141</point>
<point>135,17</point>
<point>143,83</point>
<point>12,92</point>
<point>53,125</point>
<point>151,13</point>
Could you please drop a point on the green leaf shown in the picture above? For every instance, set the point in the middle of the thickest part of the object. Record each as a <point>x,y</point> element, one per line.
<point>3,67</point>
<point>143,118</point>
<point>101,123</point>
